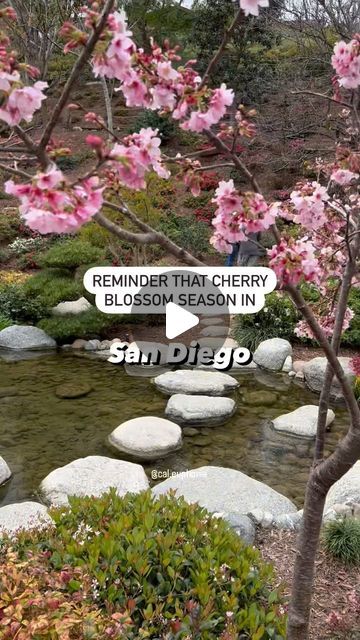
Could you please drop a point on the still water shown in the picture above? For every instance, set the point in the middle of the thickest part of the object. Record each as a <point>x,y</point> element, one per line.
<point>40,431</point>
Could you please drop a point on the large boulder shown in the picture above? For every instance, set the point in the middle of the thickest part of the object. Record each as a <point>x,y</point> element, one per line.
<point>217,331</point>
<point>23,516</point>
<point>226,491</point>
<point>5,472</point>
<point>93,476</point>
<point>71,308</point>
<point>345,490</point>
<point>187,382</point>
<point>302,422</point>
<point>199,410</point>
<point>271,354</point>
<point>314,372</point>
<point>147,438</point>
<point>25,337</point>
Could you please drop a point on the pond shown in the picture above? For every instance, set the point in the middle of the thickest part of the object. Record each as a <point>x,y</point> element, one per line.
<point>39,431</point>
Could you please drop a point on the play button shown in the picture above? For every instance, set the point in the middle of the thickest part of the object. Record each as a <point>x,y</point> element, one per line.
<point>178,321</point>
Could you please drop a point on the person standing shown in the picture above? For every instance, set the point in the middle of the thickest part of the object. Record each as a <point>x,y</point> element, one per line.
<point>246,253</point>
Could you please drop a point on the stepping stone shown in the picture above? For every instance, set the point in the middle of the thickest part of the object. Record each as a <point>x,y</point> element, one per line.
<point>93,476</point>
<point>23,516</point>
<point>215,332</point>
<point>195,382</point>
<point>147,438</point>
<point>271,354</point>
<point>314,371</point>
<point>5,472</point>
<point>209,321</point>
<point>345,490</point>
<point>199,410</point>
<point>226,491</point>
<point>71,391</point>
<point>302,422</point>
<point>218,343</point>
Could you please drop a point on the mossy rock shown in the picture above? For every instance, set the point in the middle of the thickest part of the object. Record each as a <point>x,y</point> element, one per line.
<point>71,391</point>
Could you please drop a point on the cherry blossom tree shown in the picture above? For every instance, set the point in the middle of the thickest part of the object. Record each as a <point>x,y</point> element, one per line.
<point>325,252</point>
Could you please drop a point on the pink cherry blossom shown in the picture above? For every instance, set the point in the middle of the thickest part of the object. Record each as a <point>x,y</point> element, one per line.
<point>346,62</point>
<point>294,261</point>
<point>22,103</point>
<point>326,322</point>
<point>343,176</point>
<point>309,203</point>
<point>252,6</point>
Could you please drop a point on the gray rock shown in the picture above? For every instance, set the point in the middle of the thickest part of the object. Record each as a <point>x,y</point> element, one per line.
<point>105,345</point>
<point>302,422</point>
<point>157,352</point>
<point>5,472</point>
<point>314,372</point>
<point>196,383</point>
<point>289,521</point>
<point>226,491</point>
<point>25,337</point>
<point>215,332</point>
<point>271,354</point>
<point>299,375</point>
<point>288,365</point>
<point>199,410</point>
<point>147,438</point>
<point>92,345</point>
<point>93,476</point>
<point>190,432</point>
<point>261,518</point>
<point>261,398</point>
<point>23,516</point>
<point>209,321</point>
<point>345,490</point>
<point>218,343</point>
<point>242,525</point>
<point>71,308</point>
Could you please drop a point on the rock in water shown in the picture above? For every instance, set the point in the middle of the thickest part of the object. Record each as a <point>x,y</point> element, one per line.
<point>74,390</point>
<point>302,422</point>
<point>147,438</point>
<point>23,516</point>
<point>196,383</point>
<point>5,472</point>
<point>226,491</point>
<point>199,410</point>
<point>314,372</point>
<point>271,354</point>
<point>25,337</point>
<point>93,476</point>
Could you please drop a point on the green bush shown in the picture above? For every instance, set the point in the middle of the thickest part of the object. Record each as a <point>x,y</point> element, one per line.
<point>351,337</point>
<point>277,319</point>
<point>71,254</point>
<point>342,539</point>
<point>179,572</point>
<point>4,322</point>
<point>165,124</point>
<point>88,325</point>
<point>188,233</point>
<point>17,306</point>
<point>52,286</point>
<point>9,225</point>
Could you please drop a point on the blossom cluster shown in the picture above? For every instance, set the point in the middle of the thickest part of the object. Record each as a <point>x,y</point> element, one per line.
<point>238,214</point>
<point>50,205</point>
<point>294,261</point>
<point>346,62</point>
<point>326,322</point>
<point>151,81</point>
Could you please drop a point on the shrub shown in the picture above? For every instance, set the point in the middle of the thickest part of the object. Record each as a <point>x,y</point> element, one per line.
<point>177,571</point>
<point>188,232</point>
<point>4,322</point>
<point>52,286</point>
<point>71,254</point>
<point>351,337</point>
<point>26,245</point>
<point>276,320</point>
<point>88,325</point>
<point>17,306</point>
<point>35,603</point>
<point>342,539</point>
<point>9,225</point>
<point>166,126</point>
<point>12,277</point>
